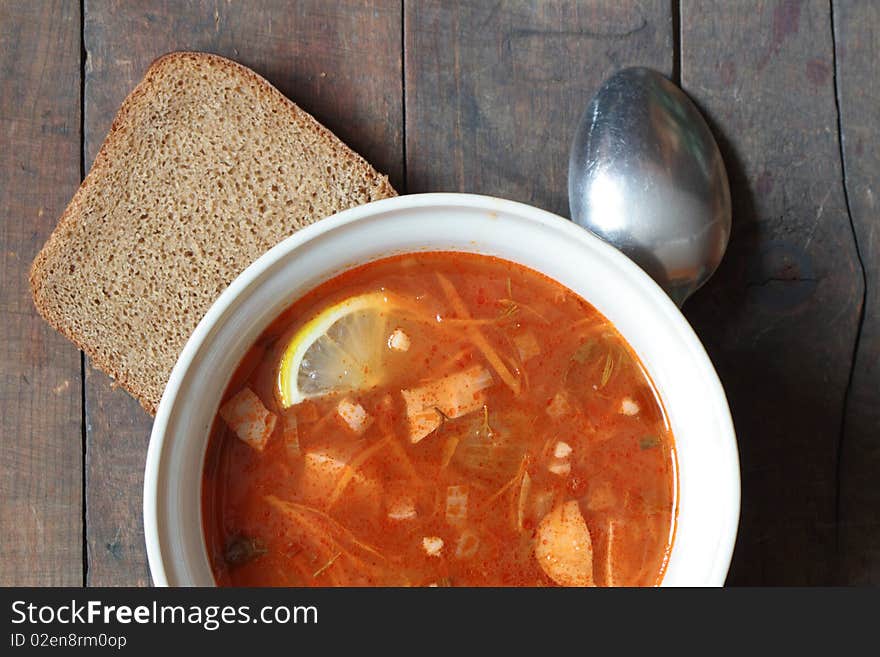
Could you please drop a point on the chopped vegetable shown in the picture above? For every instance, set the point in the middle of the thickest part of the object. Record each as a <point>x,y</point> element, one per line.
<point>559,406</point>
<point>241,549</point>
<point>467,545</point>
<point>526,345</point>
<point>449,451</point>
<point>402,510</point>
<point>491,452</point>
<point>629,407</point>
<point>398,341</point>
<point>403,460</point>
<point>456,504</point>
<point>450,397</point>
<point>351,469</point>
<point>354,415</point>
<point>290,435</point>
<point>325,470</point>
<point>525,488</point>
<point>649,442</point>
<point>582,354</point>
<point>563,547</point>
<point>252,422</point>
<point>601,496</point>
<point>433,545</point>
<point>541,503</point>
<point>560,462</point>
<point>400,503</point>
<point>477,336</point>
<point>611,554</point>
<point>561,468</point>
<point>562,450</point>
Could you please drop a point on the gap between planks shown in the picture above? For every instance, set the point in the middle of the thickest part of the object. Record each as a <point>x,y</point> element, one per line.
<point>864,273</point>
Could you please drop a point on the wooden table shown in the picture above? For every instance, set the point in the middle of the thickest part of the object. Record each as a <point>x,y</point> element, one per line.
<point>483,97</point>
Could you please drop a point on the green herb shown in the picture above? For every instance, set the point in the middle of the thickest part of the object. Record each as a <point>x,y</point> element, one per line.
<point>606,372</point>
<point>487,430</point>
<point>509,310</point>
<point>443,417</point>
<point>649,442</point>
<point>241,549</point>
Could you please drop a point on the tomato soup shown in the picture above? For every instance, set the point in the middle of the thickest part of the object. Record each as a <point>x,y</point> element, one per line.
<point>440,419</point>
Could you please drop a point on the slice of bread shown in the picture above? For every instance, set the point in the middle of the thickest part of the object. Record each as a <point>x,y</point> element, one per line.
<point>206,167</point>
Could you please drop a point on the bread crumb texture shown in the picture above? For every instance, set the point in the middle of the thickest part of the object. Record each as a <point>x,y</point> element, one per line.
<point>205,168</point>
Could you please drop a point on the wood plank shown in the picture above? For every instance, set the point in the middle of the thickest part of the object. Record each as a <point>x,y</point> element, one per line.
<point>779,318</point>
<point>494,91</point>
<point>40,388</point>
<point>857,32</point>
<point>340,61</point>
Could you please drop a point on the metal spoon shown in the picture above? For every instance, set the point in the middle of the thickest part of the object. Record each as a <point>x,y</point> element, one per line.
<point>646,175</point>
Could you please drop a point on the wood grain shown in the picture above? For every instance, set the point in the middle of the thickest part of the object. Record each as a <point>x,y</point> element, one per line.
<point>494,90</point>
<point>40,392</point>
<point>779,318</point>
<point>857,32</point>
<point>339,61</point>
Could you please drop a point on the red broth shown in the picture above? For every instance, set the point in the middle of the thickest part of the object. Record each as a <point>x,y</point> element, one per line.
<point>516,441</point>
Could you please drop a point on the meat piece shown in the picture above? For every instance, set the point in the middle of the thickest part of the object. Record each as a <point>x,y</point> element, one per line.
<point>563,547</point>
<point>252,422</point>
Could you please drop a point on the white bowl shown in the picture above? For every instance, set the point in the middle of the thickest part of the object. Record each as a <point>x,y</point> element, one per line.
<point>708,466</point>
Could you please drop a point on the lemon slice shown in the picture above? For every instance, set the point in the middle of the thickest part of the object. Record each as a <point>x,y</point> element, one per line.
<point>339,350</point>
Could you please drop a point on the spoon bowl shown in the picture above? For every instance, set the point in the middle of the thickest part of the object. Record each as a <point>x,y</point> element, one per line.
<point>646,175</point>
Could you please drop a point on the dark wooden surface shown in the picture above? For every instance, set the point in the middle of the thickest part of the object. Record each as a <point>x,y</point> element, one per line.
<point>40,389</point>
<point>857,41</point>
<point>780,318</point>
<point>494,91</point>
<point>483,97</point>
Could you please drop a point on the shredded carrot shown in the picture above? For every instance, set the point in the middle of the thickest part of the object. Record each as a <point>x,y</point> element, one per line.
<point>594,322</point>
<point>506,487</point>
<point>350,469</point>
<point>524,490</point>
<point>449,362</point>
<point>448,451</point>
<point>300,513</point>
<point>454,321</point>
<point>519,304</point>
<point>323,568</point>
<point>477,336</point>
<point>401,454</point>
<point>322,422</point>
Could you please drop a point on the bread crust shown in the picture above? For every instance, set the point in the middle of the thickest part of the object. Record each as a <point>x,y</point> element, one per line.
<point>114,147</point>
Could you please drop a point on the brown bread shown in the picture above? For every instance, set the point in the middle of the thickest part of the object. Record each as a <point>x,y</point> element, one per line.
<point>206,167</point>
